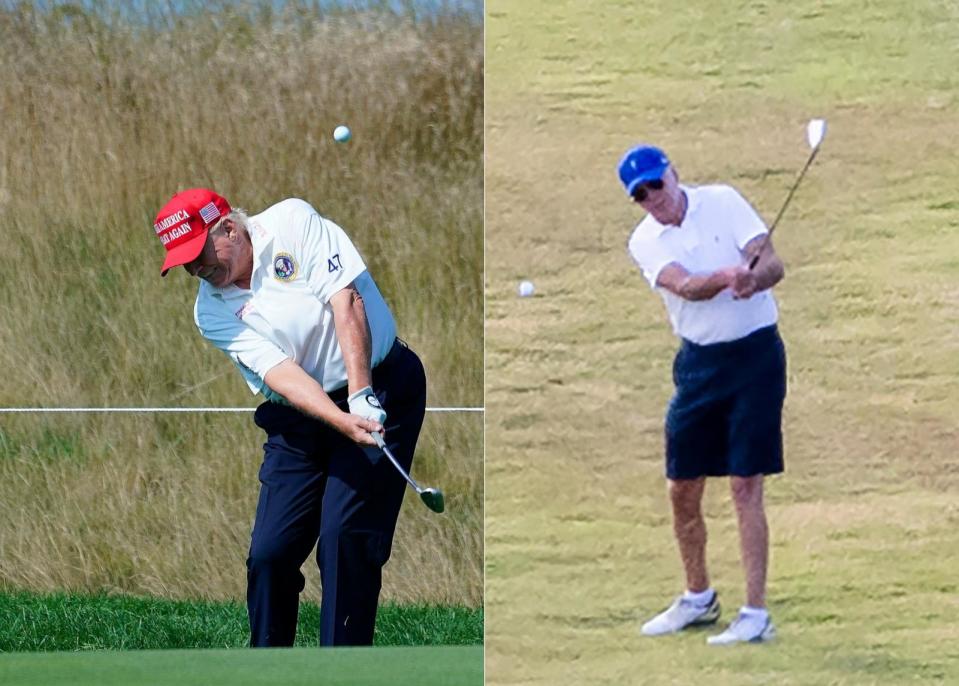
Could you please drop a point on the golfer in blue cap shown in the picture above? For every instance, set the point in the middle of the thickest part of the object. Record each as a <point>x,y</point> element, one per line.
<point>725,419</point>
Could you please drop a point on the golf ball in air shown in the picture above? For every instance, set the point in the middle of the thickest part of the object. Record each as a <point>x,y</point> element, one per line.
<point>526,289</point>
<point>341,134</point>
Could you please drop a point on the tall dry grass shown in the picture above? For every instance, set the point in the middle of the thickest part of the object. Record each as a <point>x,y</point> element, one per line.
<point>104,118</point>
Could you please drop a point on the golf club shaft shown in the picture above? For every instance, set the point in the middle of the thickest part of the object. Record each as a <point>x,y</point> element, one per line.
<point>782,210</point>
<point>381,443</point>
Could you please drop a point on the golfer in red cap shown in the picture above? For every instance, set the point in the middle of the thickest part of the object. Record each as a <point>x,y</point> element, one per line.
<point>288,298</point>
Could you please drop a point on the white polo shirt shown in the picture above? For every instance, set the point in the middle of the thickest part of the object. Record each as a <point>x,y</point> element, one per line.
<point>717,226</point>
<point>300,260</point>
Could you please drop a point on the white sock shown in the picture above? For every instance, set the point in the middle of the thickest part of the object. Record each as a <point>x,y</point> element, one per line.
<point>760,613</point>
<point>701,598</point>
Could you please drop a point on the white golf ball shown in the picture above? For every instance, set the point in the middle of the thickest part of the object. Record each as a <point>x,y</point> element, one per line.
<point>341,134</point>
<point>526,289</point>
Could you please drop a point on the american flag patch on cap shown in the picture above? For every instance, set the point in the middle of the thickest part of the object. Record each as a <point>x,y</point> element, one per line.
<point>209,213</point>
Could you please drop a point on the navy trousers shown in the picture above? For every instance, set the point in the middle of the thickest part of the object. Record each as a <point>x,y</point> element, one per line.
<point>316,484</point>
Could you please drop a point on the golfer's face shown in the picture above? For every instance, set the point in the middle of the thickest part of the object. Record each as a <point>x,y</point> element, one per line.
<point>218,263</point>
<point>656,197</point>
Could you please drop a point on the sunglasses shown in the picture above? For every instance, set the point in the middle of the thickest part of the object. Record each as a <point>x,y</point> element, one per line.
<point>641,192</point>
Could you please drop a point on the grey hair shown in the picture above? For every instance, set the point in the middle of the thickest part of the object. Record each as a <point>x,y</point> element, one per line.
<point>238,216</point>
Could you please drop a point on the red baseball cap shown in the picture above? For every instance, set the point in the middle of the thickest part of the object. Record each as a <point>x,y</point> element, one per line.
<point>183,222</point>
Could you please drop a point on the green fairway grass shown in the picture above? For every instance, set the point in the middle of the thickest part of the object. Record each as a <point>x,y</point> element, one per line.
<point>863,523</point>
<point>436,666</point>
<point>32,622</point>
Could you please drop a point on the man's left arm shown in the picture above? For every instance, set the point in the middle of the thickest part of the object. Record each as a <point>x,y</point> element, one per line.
<point>769,269</point>
<point>752,238</point>
<point>356,344</point>
<point>353,335</point>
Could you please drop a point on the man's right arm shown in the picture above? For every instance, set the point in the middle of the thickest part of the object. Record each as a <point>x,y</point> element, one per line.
<point>662,269</point>
<point>677,280</point>
<point>268,370</point>
<point>304,393</point>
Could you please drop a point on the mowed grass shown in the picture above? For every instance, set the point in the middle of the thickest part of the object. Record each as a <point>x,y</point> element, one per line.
<point>104,119</point>
<point>50,622</point>
<point>863,543</point>
<point>409,666</point>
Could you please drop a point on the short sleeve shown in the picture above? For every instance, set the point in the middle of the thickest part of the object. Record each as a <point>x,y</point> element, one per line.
<point>330,260</point>
<point>252,354</point>
<point>650,256</point>
<point>745,221</point>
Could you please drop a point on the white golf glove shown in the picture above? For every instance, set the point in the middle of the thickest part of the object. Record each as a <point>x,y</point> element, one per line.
<point>365,404</point>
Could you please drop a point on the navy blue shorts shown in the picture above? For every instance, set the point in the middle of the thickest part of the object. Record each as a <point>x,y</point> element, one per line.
<point>725,418</point>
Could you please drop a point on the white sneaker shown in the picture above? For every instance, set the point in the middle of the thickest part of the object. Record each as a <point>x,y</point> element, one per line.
<point>681,614</point>
<point>745,629</point>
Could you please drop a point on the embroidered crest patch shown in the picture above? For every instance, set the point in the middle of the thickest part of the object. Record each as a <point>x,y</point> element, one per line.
<point>284,267</point>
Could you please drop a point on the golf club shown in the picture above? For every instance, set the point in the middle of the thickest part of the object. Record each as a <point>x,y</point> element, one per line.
<point>815,131</point>
<point>431,497</point>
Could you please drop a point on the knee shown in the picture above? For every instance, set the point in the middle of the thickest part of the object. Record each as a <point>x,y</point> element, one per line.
<point>269,557</point>
<point>686,498</point>
<point>747,491</point>
<point>354,548</point>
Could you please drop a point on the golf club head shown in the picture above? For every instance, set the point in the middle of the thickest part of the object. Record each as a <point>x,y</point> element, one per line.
<point>433,499</point>
<point>815,132</point>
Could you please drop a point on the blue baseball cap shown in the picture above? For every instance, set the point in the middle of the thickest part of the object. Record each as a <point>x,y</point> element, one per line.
<point>641,164</point>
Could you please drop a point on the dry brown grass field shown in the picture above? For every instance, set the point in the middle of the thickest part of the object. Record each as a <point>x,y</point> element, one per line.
<point>103,120</point>
<point>864,542</point>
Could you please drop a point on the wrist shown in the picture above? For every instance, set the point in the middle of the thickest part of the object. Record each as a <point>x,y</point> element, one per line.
<point>358,392</point>
<point>357,384</point>
<point>339,421</point>
<point>365,404</point>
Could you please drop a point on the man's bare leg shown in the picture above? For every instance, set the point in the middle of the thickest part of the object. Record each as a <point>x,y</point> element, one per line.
<point>686,496</point>
<point>753,535</point>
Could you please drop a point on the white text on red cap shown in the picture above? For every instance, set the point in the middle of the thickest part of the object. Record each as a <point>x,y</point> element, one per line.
<point>174,218</point>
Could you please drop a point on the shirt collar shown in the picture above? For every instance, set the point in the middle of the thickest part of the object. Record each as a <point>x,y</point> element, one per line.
<point>692,202</point>
<point>261,240</point>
